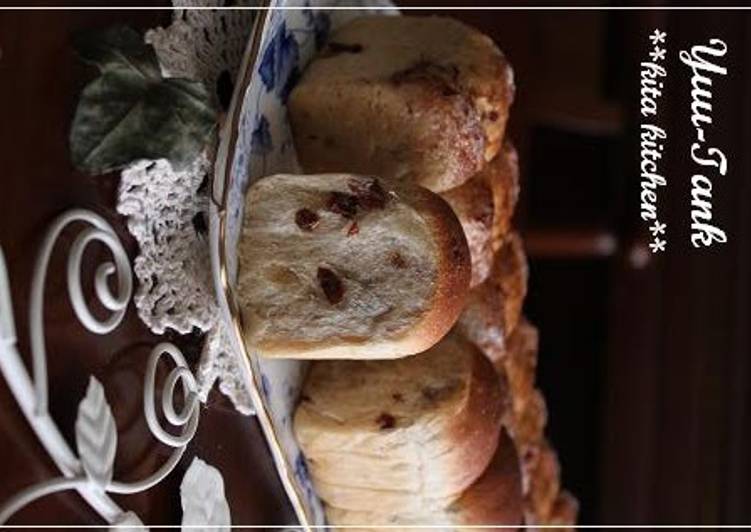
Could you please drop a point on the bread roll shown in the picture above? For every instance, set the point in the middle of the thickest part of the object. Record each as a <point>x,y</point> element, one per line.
<point>411,433</point>
<point>345,266</point>
<point>423,98</point>
<point>485,205</point>
<point>503,175</point>
<point>493,308</point>
<point>472,203</point>
<point>541,482</point>
<point>494,499</point>
<point>564,511</point>
<point>526,419</point>
<point>527,416</point>
<point>545,504</point>
<point>520,361</point>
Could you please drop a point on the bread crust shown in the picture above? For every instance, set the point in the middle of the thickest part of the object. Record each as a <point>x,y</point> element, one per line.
<point>502,173</point>
<point>450,288</point>
<point>564,511</point>
<point>495,499</point>
<point>454,271</point>
<point>342,451</point>
<point>472,203</point>
<point>520,361</point>
<point>541,480</point>
<point>424,98</point>
<point>493,308</point>
<point>526,420</point>
<point>485,206</point>
<point>480,428</point>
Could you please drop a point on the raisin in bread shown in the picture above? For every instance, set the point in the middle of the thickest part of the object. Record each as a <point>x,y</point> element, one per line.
<point>485,205</point>
<point>424,98</point>
<point>410,433</point>
<point>345,266</point>
<point>495,499</point>
<point>493,308</point>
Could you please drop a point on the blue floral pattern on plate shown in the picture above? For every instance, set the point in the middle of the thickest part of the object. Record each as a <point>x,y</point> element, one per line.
<point>264,146</point>
<point>278,68</point>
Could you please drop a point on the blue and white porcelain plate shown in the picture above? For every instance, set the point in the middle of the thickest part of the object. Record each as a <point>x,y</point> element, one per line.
<point>255,142</point>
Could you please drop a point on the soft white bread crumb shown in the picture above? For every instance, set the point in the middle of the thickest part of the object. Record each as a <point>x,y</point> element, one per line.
<point>345,266</point>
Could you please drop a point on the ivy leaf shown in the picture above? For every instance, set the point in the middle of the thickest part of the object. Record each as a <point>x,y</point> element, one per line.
<point>119,47</point>
<point>131,112</point>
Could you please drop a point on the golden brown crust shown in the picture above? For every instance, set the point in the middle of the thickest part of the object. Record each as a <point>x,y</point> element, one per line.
<point>424,98</point>
<point>493,308</point>
<point>564,511</point>
<point>510,274</point>
<point>502,173</point>
<point>520,361</point>
<point>485,206</point>
<point>541,477</point>
<point>480,427</point>
<point>440,148</point>
<point>496,498</point>
<point>454,270</point>
<point>526,419</point>
<point>472,203</point>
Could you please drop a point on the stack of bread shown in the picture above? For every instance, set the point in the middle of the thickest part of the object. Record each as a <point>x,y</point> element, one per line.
<point>394,264</point>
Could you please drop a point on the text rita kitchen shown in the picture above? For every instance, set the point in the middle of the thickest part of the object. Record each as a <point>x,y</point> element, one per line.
<point>705,64</point>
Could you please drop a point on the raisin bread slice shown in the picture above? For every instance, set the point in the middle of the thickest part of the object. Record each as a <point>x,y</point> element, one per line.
<point>345,266</point>
<point>410,433</point>
<point>424,98</point>
<point>495,499</point>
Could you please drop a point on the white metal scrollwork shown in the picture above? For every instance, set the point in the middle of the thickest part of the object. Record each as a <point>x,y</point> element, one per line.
<point>90,469</point>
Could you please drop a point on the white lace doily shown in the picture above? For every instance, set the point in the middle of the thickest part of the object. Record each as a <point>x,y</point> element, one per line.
<point>203,45</point>
<point>166,209</point>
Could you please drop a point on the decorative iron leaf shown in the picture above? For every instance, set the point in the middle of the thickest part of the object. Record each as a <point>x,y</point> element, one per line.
<point>128,522</point>
<point>203,500</point>
<point>96,435</point>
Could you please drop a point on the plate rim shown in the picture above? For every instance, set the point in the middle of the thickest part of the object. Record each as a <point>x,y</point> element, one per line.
<point>220,180</point>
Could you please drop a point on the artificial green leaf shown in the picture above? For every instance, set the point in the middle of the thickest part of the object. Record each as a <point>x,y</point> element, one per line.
<point>130,112</point>
<point>119,47</point>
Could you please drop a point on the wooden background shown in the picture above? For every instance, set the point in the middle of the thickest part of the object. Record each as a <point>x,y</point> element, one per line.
<point>644,360</point>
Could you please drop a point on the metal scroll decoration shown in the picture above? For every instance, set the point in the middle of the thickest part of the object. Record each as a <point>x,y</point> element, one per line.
<point>89,468</point>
